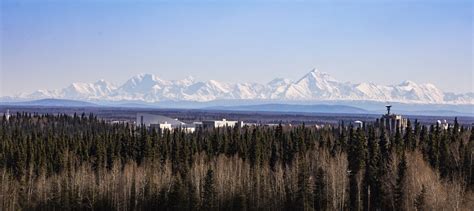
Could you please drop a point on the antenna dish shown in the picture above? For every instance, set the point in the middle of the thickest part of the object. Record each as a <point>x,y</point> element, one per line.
<point>388,108</point>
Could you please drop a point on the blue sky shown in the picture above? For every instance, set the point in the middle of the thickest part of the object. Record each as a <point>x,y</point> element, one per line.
<point>50,44</point>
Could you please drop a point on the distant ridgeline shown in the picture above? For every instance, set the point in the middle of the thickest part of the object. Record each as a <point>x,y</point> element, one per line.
<point>81,162</point>
<point>312,87</point>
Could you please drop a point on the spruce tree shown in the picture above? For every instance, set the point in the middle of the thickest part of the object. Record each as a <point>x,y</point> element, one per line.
<point>398,142</point>
<point>433,146</point>
<point>424,142</point>
<point>255,148</point>
<point>304,194</point>
<point>177,195</point>
<point>409,137</point>
<point>444,157</point>
<point>400,201</point>
<point>417,133</point>
<point>356,159</point>
<point>372,180</point>
<point>320,191</point>
<point>275,156</point>
<point>209,194</point>
<point>133,194</point>
<point>468,162</point>
<point>455,129</point>
<point>384,145</point>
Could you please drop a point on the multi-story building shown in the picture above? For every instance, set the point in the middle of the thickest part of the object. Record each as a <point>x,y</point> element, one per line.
<point>220,123</point>
<point>393,121</point>
<point>162,122</point>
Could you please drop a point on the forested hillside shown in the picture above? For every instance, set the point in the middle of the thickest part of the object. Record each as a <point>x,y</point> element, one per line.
<point>81,162</point>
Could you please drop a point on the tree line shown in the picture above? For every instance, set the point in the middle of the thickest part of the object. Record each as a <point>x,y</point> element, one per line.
<point>77,162</point>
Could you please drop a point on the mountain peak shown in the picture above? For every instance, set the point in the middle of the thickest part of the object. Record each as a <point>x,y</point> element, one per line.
<point>408,83</point>
<point>313,86</point>
<point>187,81</point>
<point>318,72</point>
<point>145,76</point>
<point>317,75</point>
<point>279,81</point>
<point>102,82</point>
<point>190,78</point>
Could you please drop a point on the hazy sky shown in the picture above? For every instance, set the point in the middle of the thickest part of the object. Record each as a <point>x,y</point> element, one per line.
<point>50,44</point>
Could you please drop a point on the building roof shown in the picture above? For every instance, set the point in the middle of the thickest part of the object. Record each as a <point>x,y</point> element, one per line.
<point>159,119</point>
<point>219,120</point>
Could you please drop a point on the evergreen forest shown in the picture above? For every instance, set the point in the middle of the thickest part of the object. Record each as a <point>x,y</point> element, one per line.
<point>80,162</point>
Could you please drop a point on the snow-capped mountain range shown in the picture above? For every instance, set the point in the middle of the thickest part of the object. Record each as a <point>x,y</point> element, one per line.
<point>314,86</point>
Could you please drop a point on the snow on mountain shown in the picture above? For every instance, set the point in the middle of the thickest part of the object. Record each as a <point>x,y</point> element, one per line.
<point>87,91</point>
<point>314,86</point>
<point>276,88</point>
<point>410,91</point>
<point>78,91</point>
<point>248,91</point>
<point>279,82</point>
<point>186,81</point>
<point>372,91</point>
<point>407,91</point>
<point>143,84</point>
<point>39,94</point>
<point>207,91</point>
<point>467,98</point>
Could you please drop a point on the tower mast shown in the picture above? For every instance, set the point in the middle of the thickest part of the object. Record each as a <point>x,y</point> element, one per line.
<point>388,109</point>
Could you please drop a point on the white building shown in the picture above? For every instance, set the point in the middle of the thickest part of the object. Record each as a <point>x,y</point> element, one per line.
<point>392,122</point>
<point>144,119</point>
<point>118,122</point>
<point>162,122</point>
<point>272,125</point>
<point>7,115</point>
<point>220,123</point>
<point>444,125</point>
<point>358,124</point>
<point>188,129</point>
<point>162,126</point>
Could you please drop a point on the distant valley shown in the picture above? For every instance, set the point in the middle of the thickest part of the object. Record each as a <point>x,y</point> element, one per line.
<point>337,107</point>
